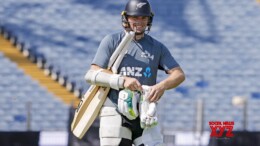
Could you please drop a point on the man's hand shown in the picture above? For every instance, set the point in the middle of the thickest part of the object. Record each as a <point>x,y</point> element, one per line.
<point>156,92</point>
<point>132,84</point>
<point>175,78</point>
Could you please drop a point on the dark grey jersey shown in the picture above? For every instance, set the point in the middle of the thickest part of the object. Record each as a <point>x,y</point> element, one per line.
<point>142,61</point>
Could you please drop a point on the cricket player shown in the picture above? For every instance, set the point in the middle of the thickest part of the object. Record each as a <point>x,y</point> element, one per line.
<point>130,108</point>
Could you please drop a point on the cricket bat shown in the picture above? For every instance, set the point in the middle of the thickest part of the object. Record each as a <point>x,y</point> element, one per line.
<point>91,103</point>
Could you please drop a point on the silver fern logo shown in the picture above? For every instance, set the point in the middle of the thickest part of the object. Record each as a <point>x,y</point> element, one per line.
<point>140,5</point>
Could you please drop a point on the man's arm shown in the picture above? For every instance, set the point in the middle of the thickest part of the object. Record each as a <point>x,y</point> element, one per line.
<point>96,67</point>
<point>175,78</point>
<point>129,83</point>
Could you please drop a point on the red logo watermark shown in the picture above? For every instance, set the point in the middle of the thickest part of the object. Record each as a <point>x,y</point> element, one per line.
<point>218,129</point>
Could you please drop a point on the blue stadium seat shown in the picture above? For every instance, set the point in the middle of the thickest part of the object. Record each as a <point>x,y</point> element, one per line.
<point>16,90</point>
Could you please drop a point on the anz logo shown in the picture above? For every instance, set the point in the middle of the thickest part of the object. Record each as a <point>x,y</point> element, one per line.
<point>136,72</point>
<point>131,71</point>
<point>147,72</point>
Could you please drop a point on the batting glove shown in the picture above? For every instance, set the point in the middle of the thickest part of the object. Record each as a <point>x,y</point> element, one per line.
<point>148,116</point>
<point>127,103</point>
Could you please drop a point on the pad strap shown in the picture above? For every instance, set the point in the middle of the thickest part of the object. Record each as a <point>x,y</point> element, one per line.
<point>108,111</point>
<point>116,132</point>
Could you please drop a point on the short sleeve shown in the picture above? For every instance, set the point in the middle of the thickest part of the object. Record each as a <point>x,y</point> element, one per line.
<point>104,52</point>
<point>167,61</point>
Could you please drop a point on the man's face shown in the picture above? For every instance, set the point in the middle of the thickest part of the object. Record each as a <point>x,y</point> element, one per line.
<point>138,23</point>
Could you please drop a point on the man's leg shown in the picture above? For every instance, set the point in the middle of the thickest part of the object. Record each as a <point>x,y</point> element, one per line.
<point>111,131</point>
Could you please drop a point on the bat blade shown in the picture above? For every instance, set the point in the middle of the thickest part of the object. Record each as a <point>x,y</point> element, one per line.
<point>91,112</point>
<point>83,104</point>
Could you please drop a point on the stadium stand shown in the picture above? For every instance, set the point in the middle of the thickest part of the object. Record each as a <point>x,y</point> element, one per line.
<point>17,90</point>
<point>216,43</point>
